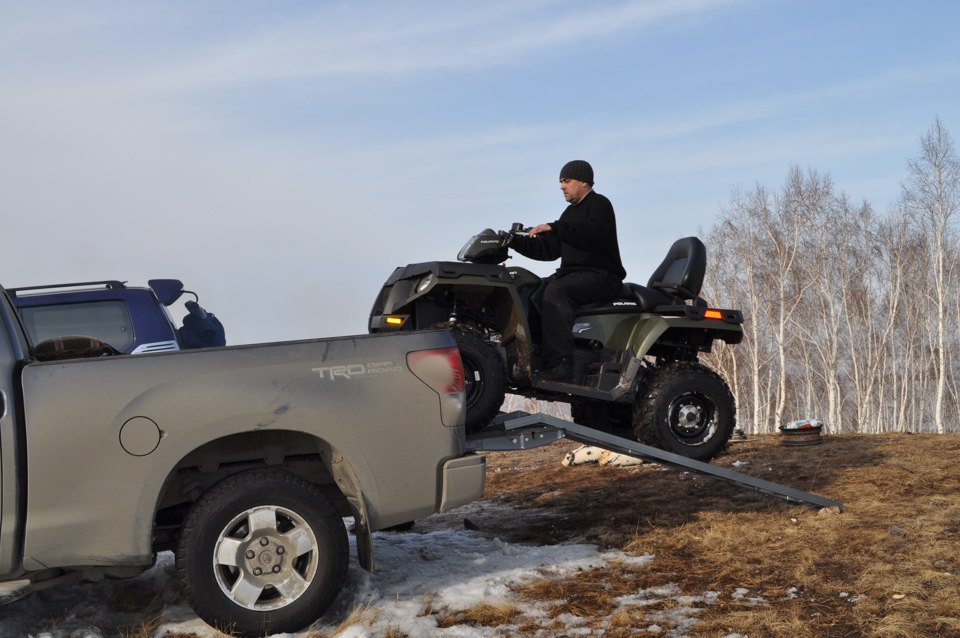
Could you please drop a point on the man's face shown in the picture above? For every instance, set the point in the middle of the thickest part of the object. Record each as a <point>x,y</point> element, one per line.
<point>574,190</point>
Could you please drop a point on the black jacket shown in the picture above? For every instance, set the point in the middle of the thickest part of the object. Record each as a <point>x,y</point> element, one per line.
<point>584,238</point>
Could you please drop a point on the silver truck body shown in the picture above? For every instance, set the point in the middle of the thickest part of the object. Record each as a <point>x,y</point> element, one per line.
<point>101,457</point>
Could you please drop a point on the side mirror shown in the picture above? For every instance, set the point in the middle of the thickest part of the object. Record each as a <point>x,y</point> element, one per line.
<point>166,290</point>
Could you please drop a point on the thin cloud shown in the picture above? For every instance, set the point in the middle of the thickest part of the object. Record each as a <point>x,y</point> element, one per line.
<point>747,112</point>
<point>406,39</point>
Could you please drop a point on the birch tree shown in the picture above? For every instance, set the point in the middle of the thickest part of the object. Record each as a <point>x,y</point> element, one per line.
<point>931,197</point>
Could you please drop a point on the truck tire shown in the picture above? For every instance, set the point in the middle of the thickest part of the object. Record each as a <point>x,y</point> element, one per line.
<point>686,409</point>
<point>262,552</point>
<point>483,378</point>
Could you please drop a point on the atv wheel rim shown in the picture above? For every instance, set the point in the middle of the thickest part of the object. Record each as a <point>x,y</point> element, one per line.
<point>472,382</point>
<point>692,418</point>
<point>265,558</point>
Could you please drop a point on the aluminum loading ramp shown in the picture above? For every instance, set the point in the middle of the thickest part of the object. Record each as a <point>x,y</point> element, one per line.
<point>522,431</point>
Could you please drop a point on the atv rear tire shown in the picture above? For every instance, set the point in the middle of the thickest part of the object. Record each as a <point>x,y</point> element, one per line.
<point>686,409</point>
<point>483,379</point>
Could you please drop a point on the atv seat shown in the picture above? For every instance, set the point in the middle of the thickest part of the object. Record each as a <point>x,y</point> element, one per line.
<point>676,281</point>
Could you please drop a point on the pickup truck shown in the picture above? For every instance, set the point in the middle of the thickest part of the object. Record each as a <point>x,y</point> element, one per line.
<point>242,460</point>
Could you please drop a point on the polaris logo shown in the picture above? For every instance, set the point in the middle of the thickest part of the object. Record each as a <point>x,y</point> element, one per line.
<point>354,370</point>
<point>489,241</point>
<point>624,303</point>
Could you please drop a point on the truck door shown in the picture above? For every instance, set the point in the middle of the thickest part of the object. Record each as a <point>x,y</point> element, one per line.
<point>13,348</point>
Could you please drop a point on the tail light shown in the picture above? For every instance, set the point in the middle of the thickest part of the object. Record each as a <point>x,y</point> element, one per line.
<point>442,371</point>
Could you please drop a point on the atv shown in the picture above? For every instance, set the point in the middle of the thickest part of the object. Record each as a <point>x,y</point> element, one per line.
<point>636,370</point>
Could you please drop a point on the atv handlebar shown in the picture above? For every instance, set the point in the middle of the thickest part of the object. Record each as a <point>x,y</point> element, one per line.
<point>516,229</point>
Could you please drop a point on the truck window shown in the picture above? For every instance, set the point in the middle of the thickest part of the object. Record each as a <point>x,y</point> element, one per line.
<point>107,321</point>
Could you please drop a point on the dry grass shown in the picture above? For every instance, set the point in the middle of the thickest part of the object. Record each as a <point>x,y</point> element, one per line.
<point>484,614</point>
<point>887,566</point>
<point>737,561</point>
<point>146,628</point>
<point>361,615</point>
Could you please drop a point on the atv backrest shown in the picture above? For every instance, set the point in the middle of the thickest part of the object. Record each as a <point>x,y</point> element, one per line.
<point>681,272</point>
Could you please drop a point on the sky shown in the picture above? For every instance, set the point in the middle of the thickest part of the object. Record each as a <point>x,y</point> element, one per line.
<point>282,158</point>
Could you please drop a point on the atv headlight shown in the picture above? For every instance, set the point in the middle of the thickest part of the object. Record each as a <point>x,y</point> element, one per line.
<point>424,283</point>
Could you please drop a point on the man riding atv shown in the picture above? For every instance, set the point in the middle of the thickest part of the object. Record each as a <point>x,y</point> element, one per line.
<point>635,349</point>
<point>585,241</point>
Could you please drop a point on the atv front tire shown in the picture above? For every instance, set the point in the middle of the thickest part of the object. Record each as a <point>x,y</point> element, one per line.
<point>686,409</point>
<point>483,378</point>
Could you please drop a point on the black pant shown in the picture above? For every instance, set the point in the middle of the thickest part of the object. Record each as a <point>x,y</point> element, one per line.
<point>558,298</point>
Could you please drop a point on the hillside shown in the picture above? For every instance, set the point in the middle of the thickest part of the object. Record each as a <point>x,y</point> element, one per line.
<point>641,551</point>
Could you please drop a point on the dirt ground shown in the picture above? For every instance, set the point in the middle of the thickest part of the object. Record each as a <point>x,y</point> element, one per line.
<point>886,566</point>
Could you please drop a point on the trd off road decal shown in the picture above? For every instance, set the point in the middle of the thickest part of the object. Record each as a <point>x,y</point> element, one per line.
<point>355,370</point>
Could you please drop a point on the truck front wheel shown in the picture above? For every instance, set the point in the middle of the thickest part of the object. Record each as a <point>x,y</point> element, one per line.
<point>262,552</point>
<point>686,409</point>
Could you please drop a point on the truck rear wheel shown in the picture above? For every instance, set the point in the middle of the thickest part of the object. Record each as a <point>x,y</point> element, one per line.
<point>262,552</point>
<point>483,378</point>
<point>686,409</point>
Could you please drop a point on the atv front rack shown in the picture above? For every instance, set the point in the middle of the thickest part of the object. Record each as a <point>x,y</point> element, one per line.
<point>523,431</point>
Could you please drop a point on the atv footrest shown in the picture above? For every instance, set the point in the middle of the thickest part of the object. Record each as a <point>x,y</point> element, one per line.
<point>569,387</point>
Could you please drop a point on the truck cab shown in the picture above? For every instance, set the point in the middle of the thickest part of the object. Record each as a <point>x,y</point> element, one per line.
<point>131,319</point>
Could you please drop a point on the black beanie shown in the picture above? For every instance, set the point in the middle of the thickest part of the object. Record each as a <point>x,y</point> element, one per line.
<point>578,170</point>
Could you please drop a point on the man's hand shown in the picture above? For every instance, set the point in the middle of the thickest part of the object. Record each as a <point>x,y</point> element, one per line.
<point>540,228</point>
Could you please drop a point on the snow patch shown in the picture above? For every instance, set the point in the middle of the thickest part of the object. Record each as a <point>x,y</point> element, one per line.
<point>419,573</point>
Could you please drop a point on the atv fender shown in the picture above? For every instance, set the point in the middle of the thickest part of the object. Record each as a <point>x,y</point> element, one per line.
<point>642,332</point>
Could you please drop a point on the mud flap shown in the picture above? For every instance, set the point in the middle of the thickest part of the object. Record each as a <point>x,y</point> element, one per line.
<point>350,486</point>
